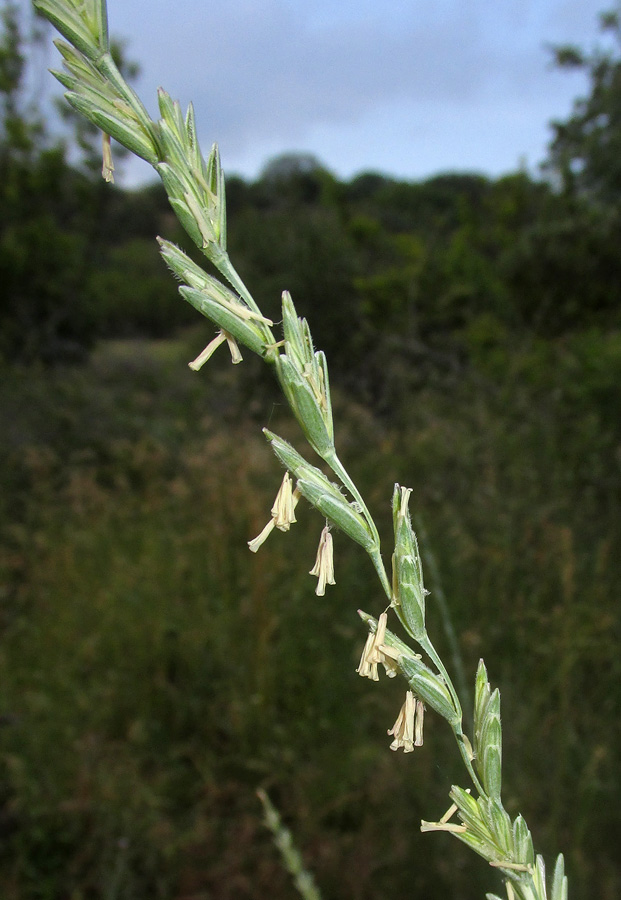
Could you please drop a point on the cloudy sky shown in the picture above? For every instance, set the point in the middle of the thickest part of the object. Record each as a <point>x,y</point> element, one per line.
<point>405,87</point>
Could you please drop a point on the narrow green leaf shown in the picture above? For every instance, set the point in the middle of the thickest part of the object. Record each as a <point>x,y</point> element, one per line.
<point>470,814</point>
<point>502,830</point>
<point>408,584</point>
<point>79,66</point>
<point>70,25</point>
<point>216,193</point>
<point>559,881</point>
<point>304,405</point>
<point>182,267</point>
<point>174,152</point>
<point>95,95</point>
<point>166,107</point>
<point>481,699</point>
<point>465,801</point>
<point>222,225</point>
<point>540,878</point>
<point>175,187</point>
<point>292,331</point>
<point>488,745</point>
<point>322,366</point>
<point>102,21</point>
<point>477,844</point>
<point>491,764</point>
<point>307,339</point>
<point>191,136</point>
<point>187,220</point>
<point>179,124</point>
<point>67,80</point>
<point>499,825</point>
<point>522,842</point>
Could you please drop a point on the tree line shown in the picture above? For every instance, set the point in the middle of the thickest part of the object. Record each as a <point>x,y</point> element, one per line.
<point>391,272</point>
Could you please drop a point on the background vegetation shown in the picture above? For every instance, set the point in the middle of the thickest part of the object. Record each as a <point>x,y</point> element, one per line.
<point>152,671</point>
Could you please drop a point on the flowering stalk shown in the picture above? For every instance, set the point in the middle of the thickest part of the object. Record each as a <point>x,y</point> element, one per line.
<point>196,191</point>
<point>290,855</point>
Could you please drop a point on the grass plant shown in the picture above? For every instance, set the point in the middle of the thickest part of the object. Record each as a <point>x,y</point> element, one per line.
<point>398,644</point>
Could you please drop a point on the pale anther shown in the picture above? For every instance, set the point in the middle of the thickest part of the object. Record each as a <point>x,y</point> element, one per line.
<point>283,512</point>
<point>403,729</point>
<point>372,653</point>
<point>324,563</point>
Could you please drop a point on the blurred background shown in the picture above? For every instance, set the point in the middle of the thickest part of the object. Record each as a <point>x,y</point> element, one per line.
<point>153,672</point>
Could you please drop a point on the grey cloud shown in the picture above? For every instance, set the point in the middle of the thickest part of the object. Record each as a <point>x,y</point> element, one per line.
<point>271,71</point>
<point>260,68</point>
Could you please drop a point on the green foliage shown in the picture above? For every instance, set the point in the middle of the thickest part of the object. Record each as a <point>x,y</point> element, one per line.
<point>20,124</point>
<point>433,274</point>
<point>585,152</point>
<point>70,248</point>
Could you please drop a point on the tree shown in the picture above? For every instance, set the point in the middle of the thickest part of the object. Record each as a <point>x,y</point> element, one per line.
<point>67,239</point>
<point>20,122</point>
<point>585,153</point>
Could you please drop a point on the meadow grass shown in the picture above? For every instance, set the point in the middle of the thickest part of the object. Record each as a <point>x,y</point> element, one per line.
<point>154,672</point>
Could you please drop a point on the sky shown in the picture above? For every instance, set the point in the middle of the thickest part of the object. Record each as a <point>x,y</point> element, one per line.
<point>408,88</point>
